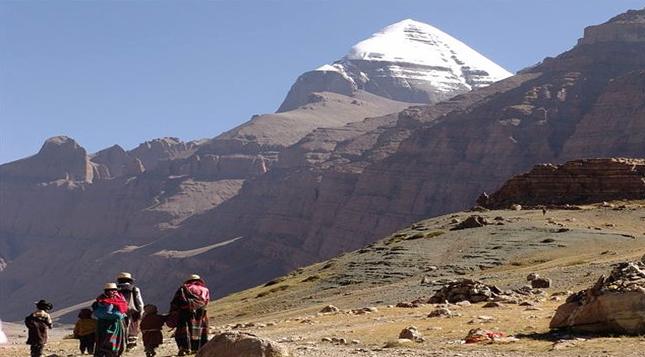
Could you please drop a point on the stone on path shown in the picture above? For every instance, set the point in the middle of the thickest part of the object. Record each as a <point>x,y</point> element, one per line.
<point>235,344</point>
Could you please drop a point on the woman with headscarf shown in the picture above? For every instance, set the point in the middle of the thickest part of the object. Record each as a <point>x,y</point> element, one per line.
<point>132,294</point>
<point>110,309</point>
<point>188,307</point>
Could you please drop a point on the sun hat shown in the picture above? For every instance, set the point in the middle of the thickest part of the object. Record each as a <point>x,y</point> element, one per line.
<point>124,275</point>
<point>110,286</point>
<point>44,305</point>
<point>193,277</point>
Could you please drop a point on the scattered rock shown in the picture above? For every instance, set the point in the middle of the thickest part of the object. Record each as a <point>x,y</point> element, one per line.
<point>516,207</point>
<point>329,309</point>
<point>492,304</point>
<point>411,333</point>
<point>234,344</point>
<point>407,305</point>
<point>365,310</point>
<point>541,283</point>
<point>340,341</point>
<point>478,335</point>
<point>440,312</point>
<point>474,221</point>
<point>532,276</point>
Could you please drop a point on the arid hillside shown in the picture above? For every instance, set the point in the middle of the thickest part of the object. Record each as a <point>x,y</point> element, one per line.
<point>385,287</point>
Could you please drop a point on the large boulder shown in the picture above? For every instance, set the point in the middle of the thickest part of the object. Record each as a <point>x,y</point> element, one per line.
<point>474,221</point>
<point>615,304</point>
<point>465,290</point>
<point>236,344</point>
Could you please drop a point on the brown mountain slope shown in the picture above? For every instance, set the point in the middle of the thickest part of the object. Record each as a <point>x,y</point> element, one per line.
<point>65,200</point>
<point>570,247</point>
<point>339,189</point>
<point>107,210</point>
<point>297,214</point>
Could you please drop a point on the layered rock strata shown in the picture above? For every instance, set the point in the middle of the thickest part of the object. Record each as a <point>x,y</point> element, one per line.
<point>575,182</point>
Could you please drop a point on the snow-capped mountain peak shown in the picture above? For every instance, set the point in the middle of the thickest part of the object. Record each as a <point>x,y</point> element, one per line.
<point>408,61</point>
<point>415,42</point>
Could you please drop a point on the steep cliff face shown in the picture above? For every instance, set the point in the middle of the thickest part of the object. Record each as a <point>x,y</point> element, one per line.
<point>575,182</point>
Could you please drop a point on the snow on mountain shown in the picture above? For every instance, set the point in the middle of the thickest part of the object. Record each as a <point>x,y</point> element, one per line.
<point>417,43</point>
<point>407,61</point>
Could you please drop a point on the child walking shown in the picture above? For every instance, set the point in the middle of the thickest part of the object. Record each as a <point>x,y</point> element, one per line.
<point>85,331</point>
<point>38,323</point>
<point>151,325</point>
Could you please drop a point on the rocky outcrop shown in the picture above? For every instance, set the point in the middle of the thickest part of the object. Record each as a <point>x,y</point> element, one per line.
<point>627,27</point>
<point>465,290</point>
<point>60,158</point>
<point>575,182</point>
<point>214,167</point>
<point>154,151</point>
<point>115,162</point>
<point>615,304</point>
<point>235,344</point>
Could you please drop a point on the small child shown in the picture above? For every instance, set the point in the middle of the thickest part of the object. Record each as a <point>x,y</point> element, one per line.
<point>151,325</point>
<point>38,323</point>
<point>85,330</point>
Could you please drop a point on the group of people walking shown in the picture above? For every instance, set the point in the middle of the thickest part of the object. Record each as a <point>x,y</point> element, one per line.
<point>118,315</point>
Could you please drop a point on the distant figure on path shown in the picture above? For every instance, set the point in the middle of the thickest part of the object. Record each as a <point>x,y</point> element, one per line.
<point>151,326</point>
<point>3,336</point>
<point>85,331</point>
<point>110,308</point>
<point>38,323</point>
<point>132,295</point>
<point>188,307</point>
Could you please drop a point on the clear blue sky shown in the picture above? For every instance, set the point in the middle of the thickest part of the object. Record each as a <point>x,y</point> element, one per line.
<point>122,72</point>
